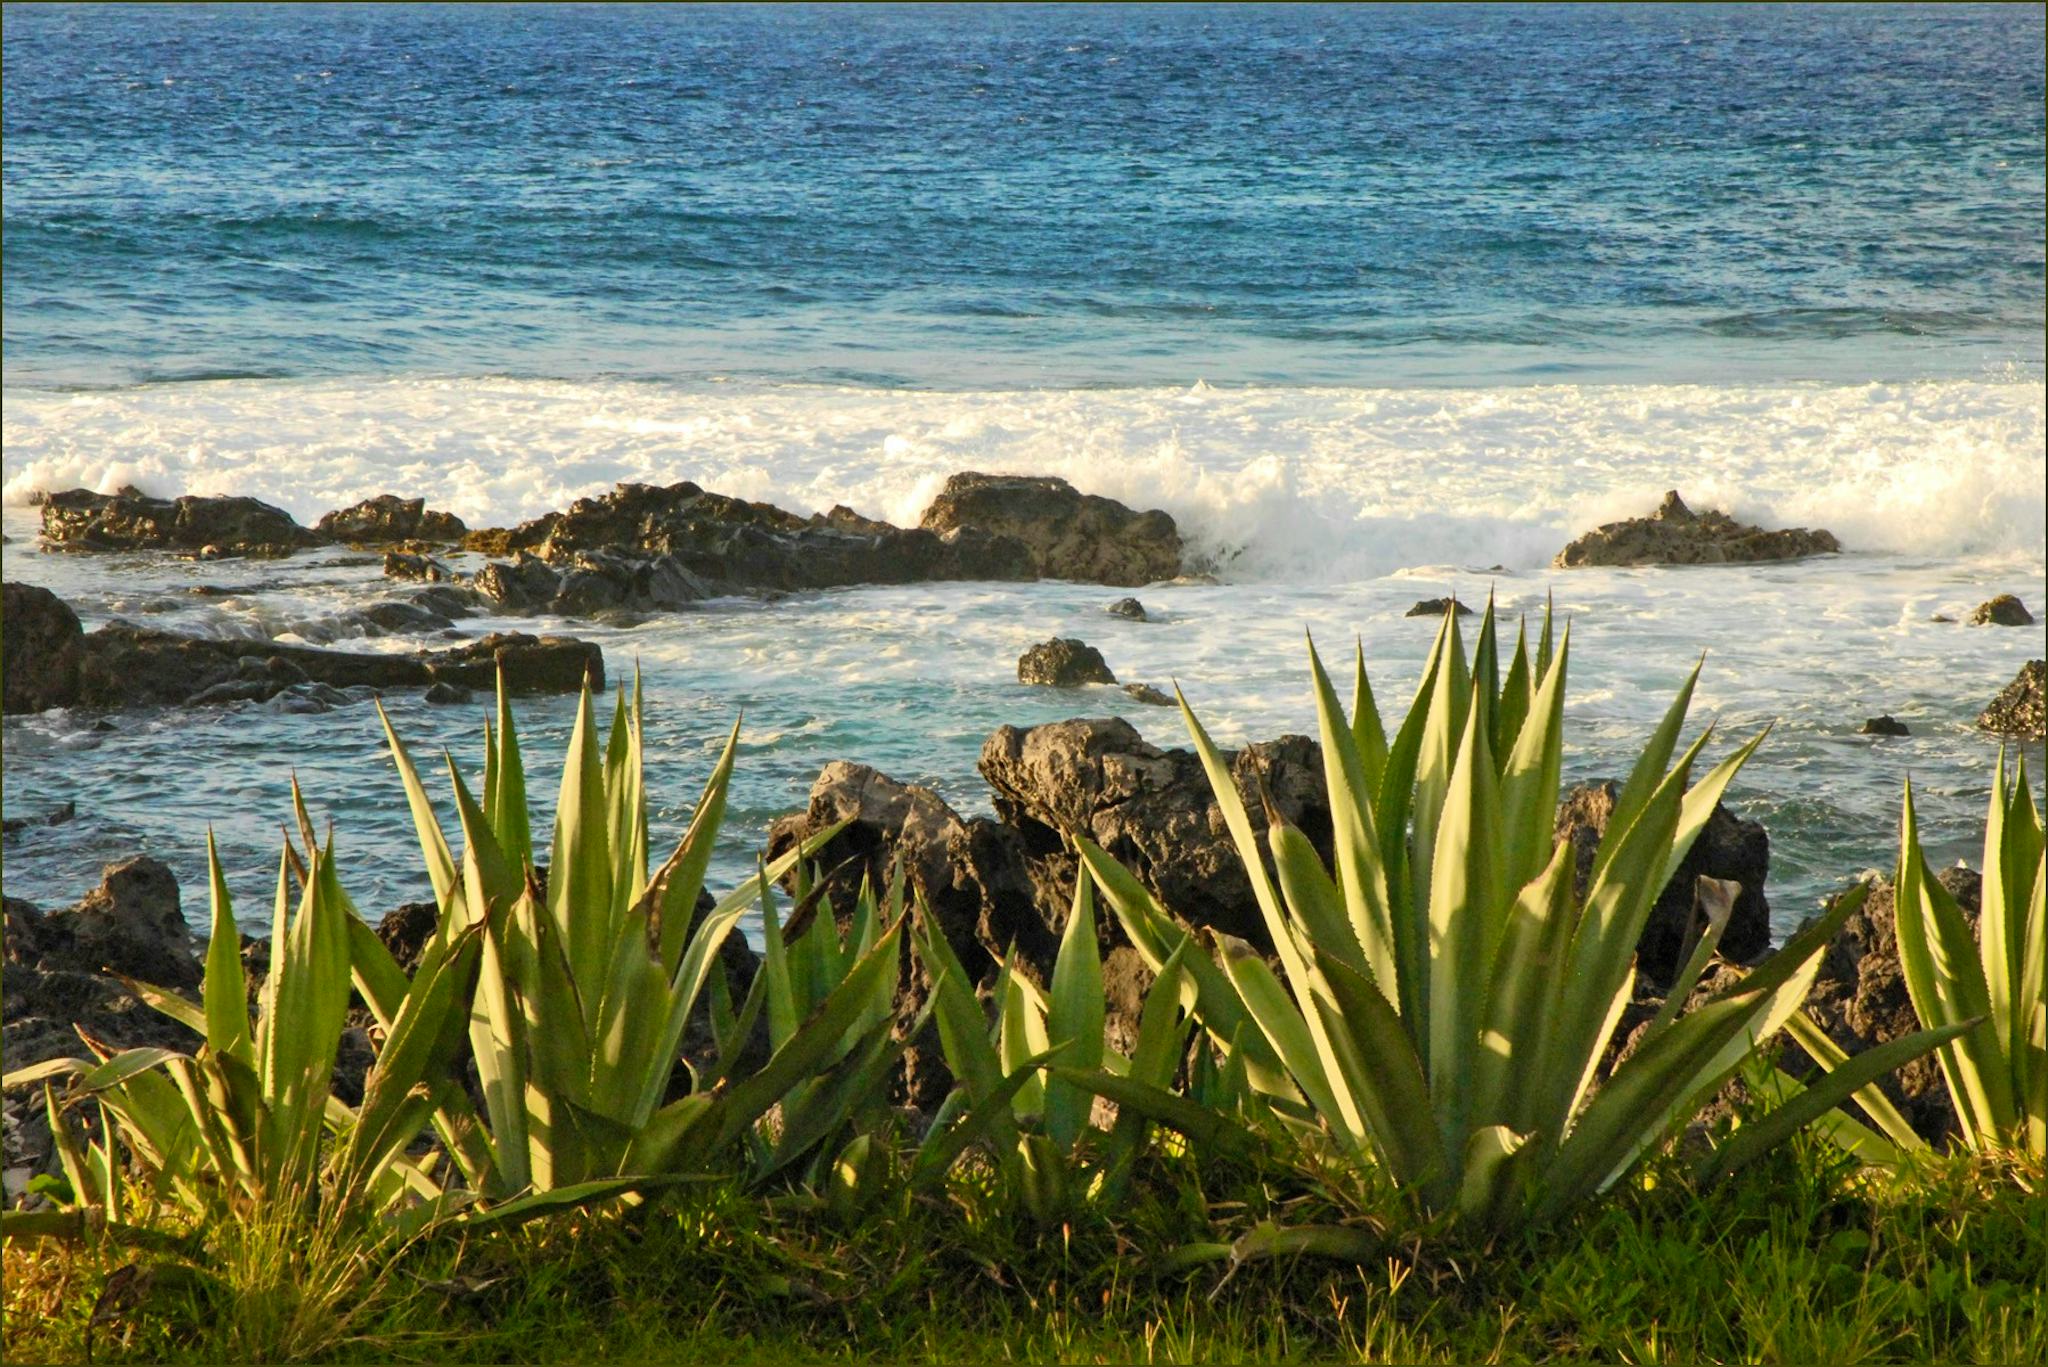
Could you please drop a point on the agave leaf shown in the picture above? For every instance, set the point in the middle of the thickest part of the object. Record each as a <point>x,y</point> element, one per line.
<point>1700,801</point>
<point>1358,924</point>
<point>1299,1043</point>
<point>1846,1133</point>
<point>1488,1191</point>
<point>43,1072</point>
<point>1509,1064</point>
<point>1209,1131</point>
<point>991,1117</point>
<point>1647,778</point>
<point>1076,1015</point>
<point>1715,899</point>
<point>1368,736</point>
<point>508,818</point>
<point>1468,906</point>
<point>1376,1057</point>
<point>1486,674</point>
<point>433,845</point>
<point>1531,775</point>
<point>580,897</point>
<point>1448,703</point>
<point>224,989</point>
<point>1875,1103</point>
<point>1341,1243</point>
<point>1758,1136</point>
<point>1516,692</point>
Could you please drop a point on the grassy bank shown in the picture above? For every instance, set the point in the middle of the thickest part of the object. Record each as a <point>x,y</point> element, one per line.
<point>1807,1257</point>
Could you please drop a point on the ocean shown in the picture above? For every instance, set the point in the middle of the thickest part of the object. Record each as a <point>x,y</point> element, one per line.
<point>1380,302</point>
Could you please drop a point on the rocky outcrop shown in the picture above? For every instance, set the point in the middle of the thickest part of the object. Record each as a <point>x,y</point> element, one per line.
<point>1063,662</point>
<point>388,518</point>
<point>208,527</point>
<point>122,665</point>
<point>1886,725</point>
<point>1728,848</point>
<point>1859,998</point>
<point>2021,707</point>
<point>590,583</point>
<point>2003,611</point>
<point>1675,535</point>
<point>1130,609</point>
<point>1067,534</point>
<point>39,649</point>
<point>1436,607</point>
<point>733,546</point>
<point>413,567</point>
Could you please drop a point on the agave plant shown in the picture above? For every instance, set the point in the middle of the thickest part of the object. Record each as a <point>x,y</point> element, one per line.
<point>1444,996</point>
<point>247,1120</point>
<point>587,982</point>
<point>1993,992</point>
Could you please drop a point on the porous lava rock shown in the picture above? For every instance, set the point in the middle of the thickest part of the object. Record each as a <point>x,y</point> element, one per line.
<point>1675,535</point>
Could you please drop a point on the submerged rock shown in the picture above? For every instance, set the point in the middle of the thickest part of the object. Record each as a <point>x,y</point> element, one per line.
<point>132,520</point>
<point>1675,535</point>
<point>1146,693</point>
<point>387,518</point>
<point>1886,725</point>
<point>1436,607</point>
<point>2003,611</point>
<point>2021,707</point>
<point>1130,609</point>
<point>39,649</point>
<point>1067,534</point>
<point>122,665</point>
<point>1063,662</point>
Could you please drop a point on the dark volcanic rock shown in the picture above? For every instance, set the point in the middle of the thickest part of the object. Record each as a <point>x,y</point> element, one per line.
<point>1152,809</point>
<point>39,649</point>
<point>132,520</point>
<point>1146,693</point>
<point>1675,535</point>
<point>387,518</point>
<point>124,665</point>
<point>56,816</point>
<point>1068,534</point>
<point>1728,848</point>
<point>1886,725</point>
<point>1436,607</point>
<point>415,568</point>
<point>1859,998</point>
<point>733,546</point>
<point>2003,611</point>
<point>2021,707</point>
<point>1063,662</point>
<point>1130,609</point>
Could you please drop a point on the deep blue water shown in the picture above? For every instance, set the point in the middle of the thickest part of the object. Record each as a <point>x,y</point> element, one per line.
<point>1016,196</point>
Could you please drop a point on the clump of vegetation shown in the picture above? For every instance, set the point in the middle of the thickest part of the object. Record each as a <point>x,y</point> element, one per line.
<point>1415,1092</point>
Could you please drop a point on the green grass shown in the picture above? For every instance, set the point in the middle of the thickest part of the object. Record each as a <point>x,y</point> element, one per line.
<point>1805,1258</point>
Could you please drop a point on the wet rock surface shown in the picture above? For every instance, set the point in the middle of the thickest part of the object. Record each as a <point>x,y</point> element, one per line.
<point>1067,534</point>
<point>388,518</point>
<point>122,665</point>
<point>1436,607</point>
<point>40,646</point>
<point>132,520</point>
<point>2003,611</point>
<point>1130,609</point>
<point>1675,535</point>
<point>1886,725</point>
<point>1063,662</point>
<point>2021,707</point>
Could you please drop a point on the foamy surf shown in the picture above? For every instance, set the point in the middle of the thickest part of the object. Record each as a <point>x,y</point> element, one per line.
<point>1270,484</point>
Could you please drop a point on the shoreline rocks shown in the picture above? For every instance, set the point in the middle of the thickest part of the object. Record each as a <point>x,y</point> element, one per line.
<point>1063,662</point>
<point>1066,534</point>
<point>50,661</point>
<point>1675,535</point>
<point>129,520</point>
<point>2021,707</point>
<point>2005,610</point>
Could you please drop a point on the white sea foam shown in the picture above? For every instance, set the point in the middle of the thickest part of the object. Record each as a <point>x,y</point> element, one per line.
<point>1325,485</point>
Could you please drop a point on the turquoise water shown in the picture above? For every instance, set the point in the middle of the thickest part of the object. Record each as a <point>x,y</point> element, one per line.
<point>1380,303</point>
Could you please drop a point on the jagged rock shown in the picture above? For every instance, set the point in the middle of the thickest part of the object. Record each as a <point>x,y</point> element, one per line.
<point>1886,725</point>
<point>1728,847</point>
<point>416,568</point>
<point>1675,535</point>
<point>1146,693</point>
<point>2021,707</point>
<point>2003,611</point>
<point>446,694</point>
<point>39,649</point>
<point>601,581</point>
<point>1859,998</point>
<point>1436,607</point>
<point>1068,534</point>
<point>405,930</point>
<point>1151,809</point>
<point>733,546</point>
<point>1130,609</point>
<point>132,520</point>
<point>1063,662</point>
<point>388,517</point>
<point>522,584</point>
